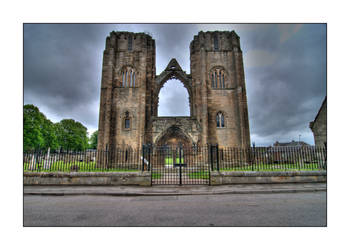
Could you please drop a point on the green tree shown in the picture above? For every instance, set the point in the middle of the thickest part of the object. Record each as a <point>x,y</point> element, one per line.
<point>49,135</point>
<point>72,135</point>
<point>38,131</point>
<point>93,140</point>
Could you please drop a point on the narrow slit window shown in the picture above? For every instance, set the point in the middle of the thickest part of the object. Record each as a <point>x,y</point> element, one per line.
<point>126,79</point>
<point>133,79</point>
<point>127,120</point>
<point>130,43</point>
<point>220,86</point>
<point>212,80</point>
<point>216,43</point>
<point>123,79</point>
<point>127,123</point>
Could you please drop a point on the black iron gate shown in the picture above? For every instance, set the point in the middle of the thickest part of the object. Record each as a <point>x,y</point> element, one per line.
<point>178,165</point>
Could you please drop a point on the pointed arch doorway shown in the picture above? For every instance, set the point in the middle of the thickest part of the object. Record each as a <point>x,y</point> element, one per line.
<point>177,162</point>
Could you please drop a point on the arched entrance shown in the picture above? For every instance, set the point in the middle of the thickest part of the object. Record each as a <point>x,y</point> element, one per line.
<point>176,161</point>
<point>174,137</point>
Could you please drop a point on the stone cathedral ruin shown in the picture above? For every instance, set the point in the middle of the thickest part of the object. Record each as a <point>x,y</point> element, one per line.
<point>130,93</point>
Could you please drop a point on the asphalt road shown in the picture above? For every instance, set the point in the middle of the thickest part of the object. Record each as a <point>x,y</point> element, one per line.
<point>279,209</point>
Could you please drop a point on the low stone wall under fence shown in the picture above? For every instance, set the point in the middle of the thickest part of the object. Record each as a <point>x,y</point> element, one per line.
<point>252,177</point>
<point>144,178</point>
<point>88,178</point>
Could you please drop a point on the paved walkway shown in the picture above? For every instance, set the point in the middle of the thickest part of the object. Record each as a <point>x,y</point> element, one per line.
<point>167,190</point>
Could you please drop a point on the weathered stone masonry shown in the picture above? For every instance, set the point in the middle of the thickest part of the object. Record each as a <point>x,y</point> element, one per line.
<point>130,90</point>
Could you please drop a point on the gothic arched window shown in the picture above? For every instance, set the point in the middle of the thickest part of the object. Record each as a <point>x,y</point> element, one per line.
<point>223,81</point>
<point>220,120</point>
<point>217,76</point>
<point>128,77</point>
<point>130,82</point>
<point>212,80</point>
<point>216,80</point>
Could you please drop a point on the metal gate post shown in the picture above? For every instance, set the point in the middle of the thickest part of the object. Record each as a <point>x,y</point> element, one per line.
<point>217,157</point>
<point>143,157</point>
<point>180,165</point>
<point>149,158</point>
<point>211,157</point>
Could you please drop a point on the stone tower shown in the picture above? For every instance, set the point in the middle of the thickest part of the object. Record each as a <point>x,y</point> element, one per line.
<point>128,73</point>
<point>130,93</point>
<point>219,89</point>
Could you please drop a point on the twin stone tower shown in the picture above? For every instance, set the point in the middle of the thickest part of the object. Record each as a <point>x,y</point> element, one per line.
<point>130,94</point>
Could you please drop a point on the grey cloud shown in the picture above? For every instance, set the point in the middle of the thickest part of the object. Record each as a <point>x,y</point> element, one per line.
<point>61,68</point>
<point>285,97</point>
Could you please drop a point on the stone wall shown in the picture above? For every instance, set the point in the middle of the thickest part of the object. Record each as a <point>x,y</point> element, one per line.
<point>251,177</point>
<point>88,179</point>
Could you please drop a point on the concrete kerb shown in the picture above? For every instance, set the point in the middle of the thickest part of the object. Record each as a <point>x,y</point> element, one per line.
<point>176,191</point>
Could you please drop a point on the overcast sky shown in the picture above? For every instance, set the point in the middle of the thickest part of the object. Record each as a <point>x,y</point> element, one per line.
<point>285,72</point>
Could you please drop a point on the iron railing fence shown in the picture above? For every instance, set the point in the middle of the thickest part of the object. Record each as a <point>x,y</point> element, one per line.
<point>148,157</point>
<point>84,161</point>
<point>269,158</point>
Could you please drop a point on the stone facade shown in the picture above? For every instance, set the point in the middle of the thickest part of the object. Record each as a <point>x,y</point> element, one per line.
<point>130,93</point>
<point>319,125</point>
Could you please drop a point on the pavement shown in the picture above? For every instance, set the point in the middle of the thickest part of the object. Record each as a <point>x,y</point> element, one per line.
<point>172,190</point>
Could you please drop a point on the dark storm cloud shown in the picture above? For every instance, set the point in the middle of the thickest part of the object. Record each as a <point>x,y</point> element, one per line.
<point>61,69</point>
<point>285,96</point>
<point>174,42</point>
<point>285,71</point>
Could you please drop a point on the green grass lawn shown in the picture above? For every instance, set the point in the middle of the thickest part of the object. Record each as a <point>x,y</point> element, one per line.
<point>60,166</point>
<point>274,167</point>
<point>169,160</point>
<point>156,175</point>
<point>199,175</point>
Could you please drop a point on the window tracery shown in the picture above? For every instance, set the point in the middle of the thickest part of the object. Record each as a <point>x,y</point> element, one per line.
<point>218,78</point>
<point>220,120</point>
<point>128,76</point>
